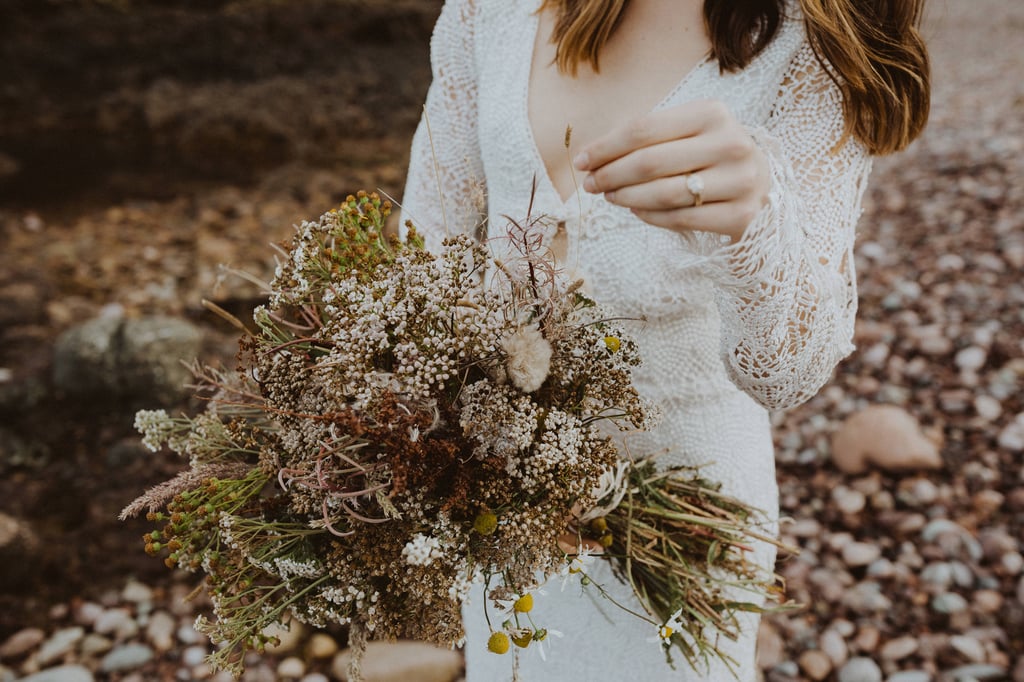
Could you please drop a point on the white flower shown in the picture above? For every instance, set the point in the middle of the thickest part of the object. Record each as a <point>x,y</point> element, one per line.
<point>155,426</point>
<point>529,358</point>
<point>542,639</point>
<point>669,628</point>
<point>576,564</point>
<point>613,484</point>
<point>421,550</point>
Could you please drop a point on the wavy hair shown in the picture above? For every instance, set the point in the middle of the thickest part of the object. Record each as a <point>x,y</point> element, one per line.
<point>872,49</point>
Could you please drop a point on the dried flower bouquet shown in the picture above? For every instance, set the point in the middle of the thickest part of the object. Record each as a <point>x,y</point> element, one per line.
<point>403,425</point>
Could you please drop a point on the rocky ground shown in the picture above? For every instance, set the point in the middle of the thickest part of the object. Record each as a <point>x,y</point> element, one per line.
<point>907,574</point>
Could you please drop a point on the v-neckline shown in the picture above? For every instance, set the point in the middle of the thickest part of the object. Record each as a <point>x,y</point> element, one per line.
<point>543,172</point>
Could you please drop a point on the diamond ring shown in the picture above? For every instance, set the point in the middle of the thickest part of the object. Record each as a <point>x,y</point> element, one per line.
<point>695,184</point>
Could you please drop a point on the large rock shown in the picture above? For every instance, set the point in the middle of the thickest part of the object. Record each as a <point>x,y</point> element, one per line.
<point>883,436</point>
<point>19,548</point>
<point>127,358</point>
<point>402,662</point>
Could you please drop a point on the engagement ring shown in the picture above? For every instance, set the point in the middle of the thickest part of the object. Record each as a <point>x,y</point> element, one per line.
<point>695,184</point>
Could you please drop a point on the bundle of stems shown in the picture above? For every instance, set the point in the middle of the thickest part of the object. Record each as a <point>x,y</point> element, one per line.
<point>686,549</point>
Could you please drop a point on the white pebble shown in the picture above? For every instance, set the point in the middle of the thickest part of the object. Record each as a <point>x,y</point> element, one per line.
<point>860,670</point>
<point>968,647</point>
<point>291,667</point>
<point>971,359</point>
<point>857,554</point>
<point>848,501</point>
<point>988,408</point>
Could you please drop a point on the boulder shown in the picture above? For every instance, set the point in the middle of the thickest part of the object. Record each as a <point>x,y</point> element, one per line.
<point>883,436</point>
<point>115,357</point>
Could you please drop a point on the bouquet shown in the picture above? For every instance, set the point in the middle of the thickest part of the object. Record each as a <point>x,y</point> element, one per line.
<point>403,425</point>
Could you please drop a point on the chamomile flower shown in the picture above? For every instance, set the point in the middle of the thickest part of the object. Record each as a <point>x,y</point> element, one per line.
<point>576,564</point>
<point>667,629</point>
<point>542,641</point>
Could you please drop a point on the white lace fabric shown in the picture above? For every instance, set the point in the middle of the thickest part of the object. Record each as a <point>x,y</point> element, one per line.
<point>728,330</point>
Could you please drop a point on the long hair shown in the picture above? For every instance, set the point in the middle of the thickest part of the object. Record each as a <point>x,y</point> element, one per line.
<point>871,49</point>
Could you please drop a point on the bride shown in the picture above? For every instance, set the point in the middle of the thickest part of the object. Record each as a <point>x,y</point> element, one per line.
<point>711,184</point>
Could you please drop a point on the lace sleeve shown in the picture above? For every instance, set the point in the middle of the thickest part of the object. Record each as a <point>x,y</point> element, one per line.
<point>444,188</point>
<point>787,292</point>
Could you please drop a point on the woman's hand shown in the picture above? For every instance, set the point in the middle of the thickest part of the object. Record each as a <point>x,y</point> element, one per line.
<point>653,164</point>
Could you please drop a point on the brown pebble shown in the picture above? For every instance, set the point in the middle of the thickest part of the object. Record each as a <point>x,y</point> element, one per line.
<point>815,664</point>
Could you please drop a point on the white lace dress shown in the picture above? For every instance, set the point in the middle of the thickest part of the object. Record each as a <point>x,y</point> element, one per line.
<point>731,329</point>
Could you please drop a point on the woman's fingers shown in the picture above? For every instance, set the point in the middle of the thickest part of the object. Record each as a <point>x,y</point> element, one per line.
<point>567,542</point>
<point>721,183</point>
<point>725,217</point>
<point>657,127</point>
<point>663,160</point>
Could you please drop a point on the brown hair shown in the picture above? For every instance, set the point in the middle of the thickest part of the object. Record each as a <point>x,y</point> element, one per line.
<point>870,48</point>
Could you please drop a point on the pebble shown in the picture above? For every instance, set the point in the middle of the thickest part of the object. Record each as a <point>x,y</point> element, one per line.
<point>771,647</point>
<point>988,601</point>
<point>987,502</point>
<point>95,645</point>
<point>988,408</point>
<point>59,645</point>
<point>860,669</point>
<point>87,613</point>
<point>193,656</point>
<point>118,622</point>
<point>979,672</point>
<point>849,501</point>
<point>291,668</point>
<point>126,657</point>
<point>289,636</point>
<point>866,598</point>
<point>1012,563</point>
<point>834,646</point>
<point>21,642</point>
<point>1012,436</point>
<point>804,528</point>
<point>321,645</point>
<point>953,538</point>
<point>968,647</point>
<point>187,634</point>
<point>815,664</point>
<point>857,554</point>
<point>917,492</point>
<point>910,676</point>
<point>867,639</point>
<point>160,630</point>
<point>787,671</point>
<point>64,673</point>
<point>971,359</point>
<point>949,603</point>
<point>136,593</point>
<point>881,569</point>
<point>899,648</point>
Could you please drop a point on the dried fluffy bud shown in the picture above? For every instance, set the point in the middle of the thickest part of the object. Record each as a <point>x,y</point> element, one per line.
<point>529,358</point>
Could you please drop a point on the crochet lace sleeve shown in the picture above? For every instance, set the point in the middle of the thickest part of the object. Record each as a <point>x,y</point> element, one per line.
<point>786,291</point>
<point>444,188</point>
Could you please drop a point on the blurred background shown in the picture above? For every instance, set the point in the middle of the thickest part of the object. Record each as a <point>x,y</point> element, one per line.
<point>149,148</point>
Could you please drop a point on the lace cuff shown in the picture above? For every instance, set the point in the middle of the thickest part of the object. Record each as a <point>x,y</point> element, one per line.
<point>785,291</point>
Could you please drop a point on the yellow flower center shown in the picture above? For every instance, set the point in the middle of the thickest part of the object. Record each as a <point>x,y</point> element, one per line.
<point>524,604</point>
<point>485,523</point>
<point>522,641</point>
<point>498,643</point>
